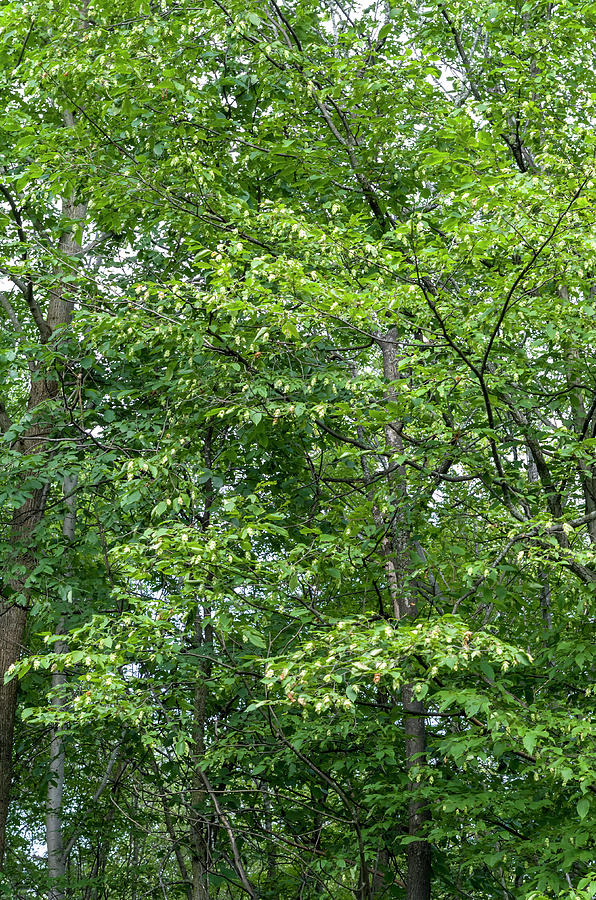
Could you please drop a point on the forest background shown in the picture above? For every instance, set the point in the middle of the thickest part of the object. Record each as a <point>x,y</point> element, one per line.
<point>298,483</point>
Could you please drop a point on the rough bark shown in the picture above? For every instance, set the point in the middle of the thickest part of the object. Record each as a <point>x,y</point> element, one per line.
<point>15,600</point>
<point>13,619</point>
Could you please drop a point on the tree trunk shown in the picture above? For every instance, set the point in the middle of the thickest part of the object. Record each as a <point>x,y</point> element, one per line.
<point>13,609</point>
<point>54,835</point>
<point>199,824</point>
<point>203,645</point>
<point>418,854</point>
<point>13,619</point>
<point>54,841</point>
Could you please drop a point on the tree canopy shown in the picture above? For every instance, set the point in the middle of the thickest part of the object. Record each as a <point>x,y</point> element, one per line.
<point>298,442</point>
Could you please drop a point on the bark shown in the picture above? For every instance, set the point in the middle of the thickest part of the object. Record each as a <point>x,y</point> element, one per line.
<point>54,833</point>
<point>199,825</point>
<point>13,619</point>
<point>203,644</point>
<point>418,854</point>
<point>54,839</point>
<point>15,599</point>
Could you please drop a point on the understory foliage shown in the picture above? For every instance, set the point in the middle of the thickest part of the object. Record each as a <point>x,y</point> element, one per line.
<point>298,482</point>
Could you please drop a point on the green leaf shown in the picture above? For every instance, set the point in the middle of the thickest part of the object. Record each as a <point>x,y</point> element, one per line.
<point>583,807</point>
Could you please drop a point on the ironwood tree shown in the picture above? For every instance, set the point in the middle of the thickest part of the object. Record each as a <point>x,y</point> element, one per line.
<point>298,423</point>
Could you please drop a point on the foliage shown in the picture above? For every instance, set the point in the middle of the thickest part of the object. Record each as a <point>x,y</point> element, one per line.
<point>328,394</point>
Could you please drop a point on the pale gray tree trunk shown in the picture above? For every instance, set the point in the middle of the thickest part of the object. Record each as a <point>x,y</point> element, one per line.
<point>54,835</point>
<point>54,840</point>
